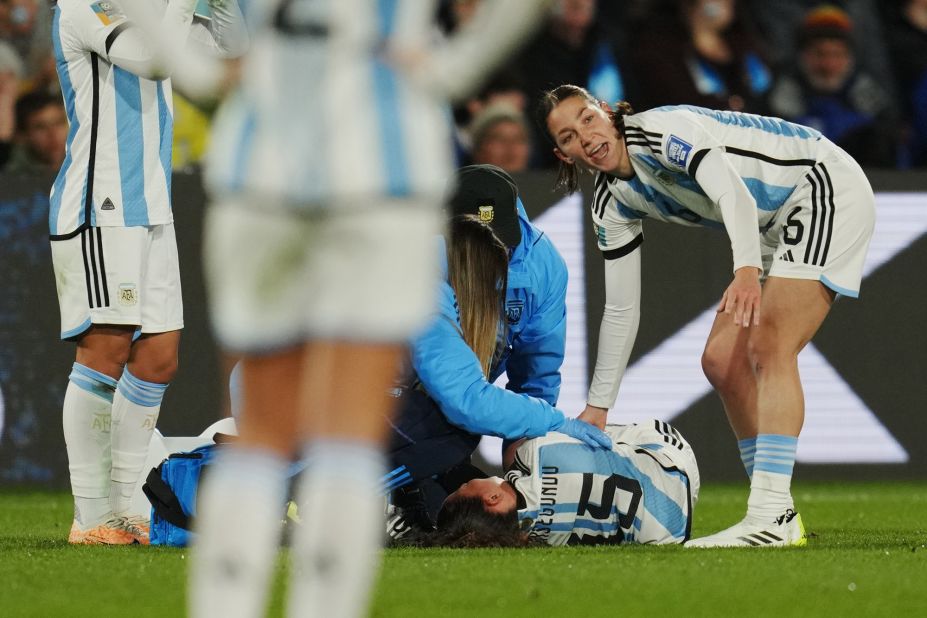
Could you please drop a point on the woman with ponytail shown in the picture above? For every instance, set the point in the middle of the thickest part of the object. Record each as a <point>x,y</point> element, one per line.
<point>451,400</point>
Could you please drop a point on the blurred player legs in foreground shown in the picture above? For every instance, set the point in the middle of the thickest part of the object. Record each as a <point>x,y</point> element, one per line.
<point>320,262</point>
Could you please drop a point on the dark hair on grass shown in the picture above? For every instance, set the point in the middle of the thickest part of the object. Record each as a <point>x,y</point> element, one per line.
<point>465,523</point>
<point>568,173</point>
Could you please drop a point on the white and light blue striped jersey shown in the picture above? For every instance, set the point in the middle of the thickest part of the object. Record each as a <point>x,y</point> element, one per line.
<point>325,113</point>
<point>668,144</point>
<point>639,492</point>
<point>117,168</point>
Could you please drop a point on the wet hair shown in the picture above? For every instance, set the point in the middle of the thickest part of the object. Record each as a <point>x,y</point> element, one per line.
<point>465,523</point>
<point>478,267</point>
<point>568,173</point>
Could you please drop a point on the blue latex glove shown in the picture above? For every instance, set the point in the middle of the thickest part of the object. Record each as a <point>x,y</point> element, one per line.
<point>586,433</point>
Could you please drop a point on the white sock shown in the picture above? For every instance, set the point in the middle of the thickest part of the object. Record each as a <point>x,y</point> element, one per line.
<point>335,553</point>
<point>86,416</point>
<point>241,507</point>
<point>135,413</point>
<point>770,486</point>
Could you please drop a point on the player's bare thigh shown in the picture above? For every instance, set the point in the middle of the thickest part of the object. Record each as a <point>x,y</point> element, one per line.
<point>792,311</point>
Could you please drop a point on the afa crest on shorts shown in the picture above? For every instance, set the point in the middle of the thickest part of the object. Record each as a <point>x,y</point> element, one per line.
<point>513,311</point>
<point>128,294</point>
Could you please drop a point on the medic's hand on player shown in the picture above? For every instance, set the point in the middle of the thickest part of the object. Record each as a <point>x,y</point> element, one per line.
<point>741,299</point>
<point>584,432</point>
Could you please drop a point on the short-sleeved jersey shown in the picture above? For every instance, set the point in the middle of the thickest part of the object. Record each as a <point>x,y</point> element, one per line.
<point>322,115</point>
<point>117,166</point>
<point>638,492</point>
<point>666,146</point>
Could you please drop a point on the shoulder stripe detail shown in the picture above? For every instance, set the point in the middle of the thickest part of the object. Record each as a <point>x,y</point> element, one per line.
<point>600,195</point>
<point>768,159</point>
<point>519,465</point>
<point>654,147</point>
<point>696,161</point>
<point>635,136</point>
<point>650,133</point>
<point>614,254</point>
<point>115,33</point>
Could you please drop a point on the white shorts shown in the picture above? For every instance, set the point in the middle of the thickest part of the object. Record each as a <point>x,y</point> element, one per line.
<point>823,230</point>
<point>278,278</point>
<point>118,275</point>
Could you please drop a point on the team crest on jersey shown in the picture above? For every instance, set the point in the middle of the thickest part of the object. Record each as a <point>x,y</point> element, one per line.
<point>487,213</point>
<point>677,151</point>
<point>128,294</point>
<point>107,12</point>
<point>513,311</point>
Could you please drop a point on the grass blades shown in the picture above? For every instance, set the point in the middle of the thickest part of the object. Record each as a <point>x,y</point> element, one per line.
<point>867,556</point>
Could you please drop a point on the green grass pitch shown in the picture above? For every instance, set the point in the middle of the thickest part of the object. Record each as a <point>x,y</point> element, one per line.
<point>866,556</point>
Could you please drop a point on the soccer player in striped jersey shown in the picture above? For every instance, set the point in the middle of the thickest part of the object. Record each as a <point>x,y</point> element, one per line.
<point>799,214</point>
<point>113,245</point>
<point>560,491</point>
<point>327,169</point>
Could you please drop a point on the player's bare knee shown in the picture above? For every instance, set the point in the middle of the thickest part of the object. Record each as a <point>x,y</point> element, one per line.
<point>719,365</point>
<point>159,369</point>
<point>107,355</point>
<point>766,350</point>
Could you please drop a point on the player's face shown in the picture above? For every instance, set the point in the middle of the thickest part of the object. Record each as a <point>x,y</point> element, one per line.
<point>489,491</point>
<point>584,134</point>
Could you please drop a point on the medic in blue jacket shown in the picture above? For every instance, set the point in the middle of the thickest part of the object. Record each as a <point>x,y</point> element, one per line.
<point>451,404</point>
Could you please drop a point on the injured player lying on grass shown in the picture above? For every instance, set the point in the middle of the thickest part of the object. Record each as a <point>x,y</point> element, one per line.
<point>558,491</point>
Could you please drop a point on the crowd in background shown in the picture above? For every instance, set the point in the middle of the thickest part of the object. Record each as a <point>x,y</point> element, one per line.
<point>856,70</point>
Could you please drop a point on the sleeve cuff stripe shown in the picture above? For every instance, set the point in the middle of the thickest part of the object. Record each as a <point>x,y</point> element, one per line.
<point>696,160</point>
<point>112,35</point>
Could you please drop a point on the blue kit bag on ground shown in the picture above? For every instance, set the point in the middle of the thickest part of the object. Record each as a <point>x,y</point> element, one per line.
<point>171,488</point>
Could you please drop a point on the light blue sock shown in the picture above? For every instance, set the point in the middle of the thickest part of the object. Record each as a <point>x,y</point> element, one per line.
<point>747,448</point>
<point>775,454</point>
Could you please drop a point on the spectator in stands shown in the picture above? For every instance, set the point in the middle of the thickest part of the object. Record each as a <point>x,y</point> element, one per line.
<point>41,133</point>
<point>26,26</point>
<point>907,39</point>
<point>708,55</point>
<point>505,87</point>
<point>779,21</point>
<point>574,48</point>
<point>9,85</point>
<point>501,137</point>
<point>828,92</point>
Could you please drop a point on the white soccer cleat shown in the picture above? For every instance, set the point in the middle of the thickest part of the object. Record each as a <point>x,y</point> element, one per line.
<point>786,530</point>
